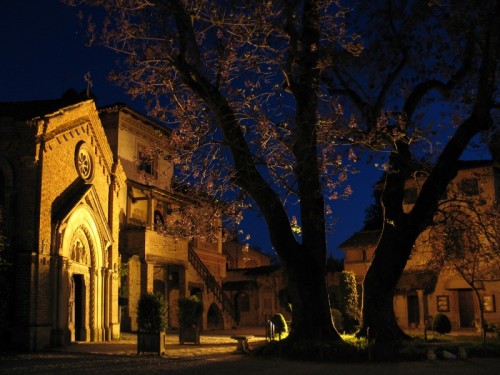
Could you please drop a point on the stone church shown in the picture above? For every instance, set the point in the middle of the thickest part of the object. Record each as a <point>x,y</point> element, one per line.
<point>81,224</point>
<point>60,191</point>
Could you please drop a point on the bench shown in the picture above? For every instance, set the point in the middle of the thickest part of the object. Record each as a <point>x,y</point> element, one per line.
<point>242,343</point>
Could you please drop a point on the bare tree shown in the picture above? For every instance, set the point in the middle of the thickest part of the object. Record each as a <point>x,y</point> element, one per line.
<point>421,59</point>
<point>264,95</point>
<point>239,82</point>
<point>465,237</point>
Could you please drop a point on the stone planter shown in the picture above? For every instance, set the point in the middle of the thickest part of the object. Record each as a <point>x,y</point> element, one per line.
<point>189,334</point>
<point>151,342</point>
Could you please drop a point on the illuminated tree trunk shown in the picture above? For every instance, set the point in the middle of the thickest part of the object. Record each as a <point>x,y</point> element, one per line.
<point>311,318</point>
<point>379,320</point>
<point>401,229</point>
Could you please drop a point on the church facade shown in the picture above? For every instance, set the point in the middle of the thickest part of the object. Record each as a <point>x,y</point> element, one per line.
<point>60,190</point>
<point>85,218</point>
<point>82,217</point>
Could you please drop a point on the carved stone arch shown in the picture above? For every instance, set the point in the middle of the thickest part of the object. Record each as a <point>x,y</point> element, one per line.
<point>82,248</point>
<point>80,222</point>
<point>92,247</point>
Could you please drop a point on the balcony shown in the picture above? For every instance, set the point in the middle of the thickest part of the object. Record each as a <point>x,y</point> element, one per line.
<point>149,244</point>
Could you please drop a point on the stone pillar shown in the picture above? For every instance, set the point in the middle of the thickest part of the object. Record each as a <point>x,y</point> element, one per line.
<point>421,308</point>
<point>105,304</point>
<point>114,308</point>
<point>62,332</point>
<point>88,328</point>
<point>151,214</point>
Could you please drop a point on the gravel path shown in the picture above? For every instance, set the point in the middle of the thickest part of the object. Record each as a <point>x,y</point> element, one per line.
<point>226,364</point>
<point>216,355</point>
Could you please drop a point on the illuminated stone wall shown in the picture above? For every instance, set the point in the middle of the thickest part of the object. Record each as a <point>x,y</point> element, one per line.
<point>419,297</point>
<point>64,234</point>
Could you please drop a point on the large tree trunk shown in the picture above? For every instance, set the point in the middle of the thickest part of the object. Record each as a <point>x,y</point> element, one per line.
<point>311,318</point>
<point>379,320</point>
<point>401,229</point>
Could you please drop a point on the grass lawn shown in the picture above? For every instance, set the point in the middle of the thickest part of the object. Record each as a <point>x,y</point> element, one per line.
<point>358,350</point>
<point>473,345</point>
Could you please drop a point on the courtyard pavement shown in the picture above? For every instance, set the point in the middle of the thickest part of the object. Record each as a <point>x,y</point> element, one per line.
<point>216,355</point>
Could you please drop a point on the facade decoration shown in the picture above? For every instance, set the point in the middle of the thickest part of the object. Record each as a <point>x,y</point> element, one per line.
<point>84,162</point>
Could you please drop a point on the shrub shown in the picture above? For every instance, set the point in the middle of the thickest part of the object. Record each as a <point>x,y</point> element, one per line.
<point>441,324</point>
<point>338,319</point>
<point>348,302</point>
<point>152,313</point>
<point>280,325</point>
<point>190,311</point>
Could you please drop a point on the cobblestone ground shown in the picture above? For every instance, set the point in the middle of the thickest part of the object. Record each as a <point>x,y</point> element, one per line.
<point>215,355</point>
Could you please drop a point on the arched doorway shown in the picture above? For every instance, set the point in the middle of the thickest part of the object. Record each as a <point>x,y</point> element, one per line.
<point>242,305</point>
<point>81,298</point>
<point>215,320</point>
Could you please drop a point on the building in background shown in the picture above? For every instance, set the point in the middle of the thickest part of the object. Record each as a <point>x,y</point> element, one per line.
<point>255,285</point>
<point>430,285</point>
<point>155,258</point>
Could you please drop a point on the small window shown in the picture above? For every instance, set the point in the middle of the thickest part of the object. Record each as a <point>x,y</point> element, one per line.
<point>410,195</point>
<point>146,163</point>
<point>443,303</point>
<point>159,223</point>
<point>489,303</point>
<point>469,186</point>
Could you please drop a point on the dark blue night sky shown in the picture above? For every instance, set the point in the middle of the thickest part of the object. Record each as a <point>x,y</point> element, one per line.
<point>44,54</point>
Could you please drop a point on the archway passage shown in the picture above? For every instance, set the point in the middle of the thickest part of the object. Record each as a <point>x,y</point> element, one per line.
<point>215,319</point>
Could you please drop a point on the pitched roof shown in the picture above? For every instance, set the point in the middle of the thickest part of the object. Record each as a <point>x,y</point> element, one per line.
<point>153,123</point>
<point>413,280</point>
<point>30,109</point>
<point>362,239</point>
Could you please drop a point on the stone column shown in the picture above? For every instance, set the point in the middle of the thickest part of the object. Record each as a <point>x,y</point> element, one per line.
<point>421,308</point>
<point>105,304</point>
<point>151,214</point>
<point>62,333</point>
<point>89,333</point>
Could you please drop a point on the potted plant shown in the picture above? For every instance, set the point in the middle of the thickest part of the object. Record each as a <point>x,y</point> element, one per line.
<point>152,323</point>
<point>190,312</point>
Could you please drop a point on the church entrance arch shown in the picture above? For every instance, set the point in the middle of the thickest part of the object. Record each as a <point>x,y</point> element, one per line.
<point>81,278</point>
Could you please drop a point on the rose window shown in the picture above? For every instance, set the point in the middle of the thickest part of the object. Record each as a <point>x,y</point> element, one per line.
<point>84,163</point>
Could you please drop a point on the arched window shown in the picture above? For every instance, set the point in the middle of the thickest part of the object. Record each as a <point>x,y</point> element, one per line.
<point>159,222</point>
